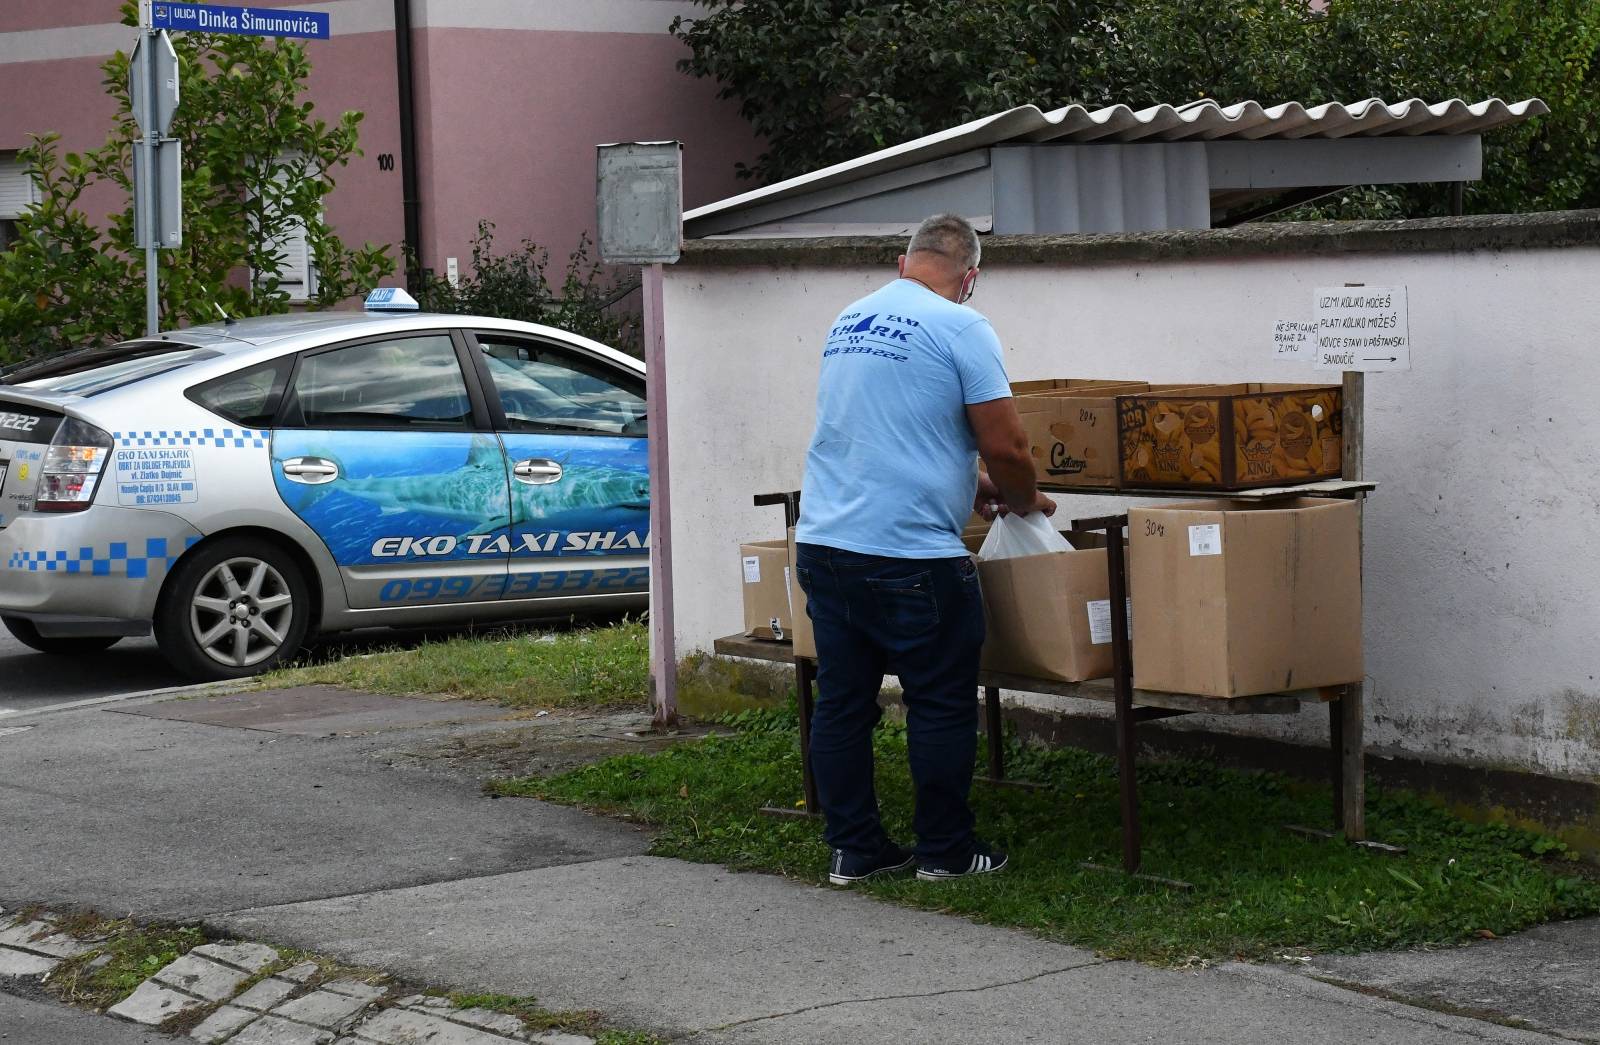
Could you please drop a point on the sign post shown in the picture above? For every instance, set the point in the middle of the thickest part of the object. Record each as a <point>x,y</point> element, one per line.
<point>153,96</point>
<point>157,160</point>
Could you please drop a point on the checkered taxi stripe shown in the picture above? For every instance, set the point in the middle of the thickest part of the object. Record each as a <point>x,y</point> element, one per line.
<point>116,559</point>
<point>224,437</point>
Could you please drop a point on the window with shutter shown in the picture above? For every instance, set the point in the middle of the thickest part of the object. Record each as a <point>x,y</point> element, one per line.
<point>296,274</point>
<point>17,193</point>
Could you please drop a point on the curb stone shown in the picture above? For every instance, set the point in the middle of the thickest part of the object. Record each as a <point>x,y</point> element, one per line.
<point>286,1007</point>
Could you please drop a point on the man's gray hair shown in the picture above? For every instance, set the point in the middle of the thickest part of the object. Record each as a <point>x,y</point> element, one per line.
<point>950,236</point>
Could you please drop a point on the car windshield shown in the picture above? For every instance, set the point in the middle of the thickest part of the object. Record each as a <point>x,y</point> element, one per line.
<point>88,372</point>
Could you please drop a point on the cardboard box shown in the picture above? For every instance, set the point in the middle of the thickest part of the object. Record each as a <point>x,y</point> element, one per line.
<point>1238,598</point>
<point>805,642</point>
<point>1230,437</point>
<point>1061,384</point>
<point>1072,433</point>
<point>1048,615</point>
<point>765,566</point>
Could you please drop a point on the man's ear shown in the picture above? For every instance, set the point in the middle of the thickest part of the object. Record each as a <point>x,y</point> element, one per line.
<point>902,264</point>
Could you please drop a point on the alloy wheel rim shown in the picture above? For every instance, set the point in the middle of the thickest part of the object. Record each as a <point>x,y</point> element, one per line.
<point>241,611</point>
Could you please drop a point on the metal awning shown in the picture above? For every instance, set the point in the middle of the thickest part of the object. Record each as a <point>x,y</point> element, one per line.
<point>1112,169</point>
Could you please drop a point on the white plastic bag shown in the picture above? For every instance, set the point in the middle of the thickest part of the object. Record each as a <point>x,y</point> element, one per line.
<point>1014,536</point>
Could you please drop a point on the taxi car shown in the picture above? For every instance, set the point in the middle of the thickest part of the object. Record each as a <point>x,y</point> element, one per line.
<point>237,487</point>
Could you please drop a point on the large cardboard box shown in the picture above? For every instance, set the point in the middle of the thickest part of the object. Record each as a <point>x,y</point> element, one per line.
<point>1237,598</point>
<point>1072,433</point>
<point>1049,616</point>
<point>805,642</point>
<point>1230,437</point>
<point>765,568</point>
<point>1061,384</point>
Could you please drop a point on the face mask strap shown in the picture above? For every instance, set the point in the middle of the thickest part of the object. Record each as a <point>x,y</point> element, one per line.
<point>968,285</point>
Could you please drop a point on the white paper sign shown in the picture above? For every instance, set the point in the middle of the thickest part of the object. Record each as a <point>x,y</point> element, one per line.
<point>1294,341</point>
<point>1205,539</point>
<point>1362,328</point>
<point>1100,621</point>
<point>752,569</point>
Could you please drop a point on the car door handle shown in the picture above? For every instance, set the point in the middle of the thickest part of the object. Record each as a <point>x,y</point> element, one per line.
<point>537,471</point>
<point>313,471</point>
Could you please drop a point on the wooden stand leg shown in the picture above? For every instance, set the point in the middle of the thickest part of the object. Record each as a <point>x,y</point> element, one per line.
<point>992,726</point>
<point>805,673</point>
<point>1350,712</point>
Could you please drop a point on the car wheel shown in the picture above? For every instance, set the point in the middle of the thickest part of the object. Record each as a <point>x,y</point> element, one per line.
<point>233,609</point>
<point>27,633</point>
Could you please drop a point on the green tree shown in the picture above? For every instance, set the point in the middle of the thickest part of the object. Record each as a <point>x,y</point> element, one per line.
<point>824,80</point>
<point>258,165</point>
<point>515,285</point>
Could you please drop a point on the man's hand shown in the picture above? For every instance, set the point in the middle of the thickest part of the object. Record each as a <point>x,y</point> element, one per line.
<point>988,503</point>
<point>1044,504</point>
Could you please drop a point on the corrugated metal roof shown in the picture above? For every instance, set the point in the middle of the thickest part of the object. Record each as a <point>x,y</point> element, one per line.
<point>1202,120</point>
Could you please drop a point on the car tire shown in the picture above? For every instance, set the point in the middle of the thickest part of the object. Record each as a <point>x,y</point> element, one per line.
<point>232,609</point>
<point>27,632</point>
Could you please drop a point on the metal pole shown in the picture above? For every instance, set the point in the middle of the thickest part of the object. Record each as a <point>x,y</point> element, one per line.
<point>145,190</point>
<point>1122,679</point>
<point>410,204</point>
<point>993,724</point>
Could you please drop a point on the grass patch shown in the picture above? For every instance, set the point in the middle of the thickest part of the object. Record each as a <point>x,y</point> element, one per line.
<point>1259,890</point>
<point>585,667</point>
<point>125,956</point>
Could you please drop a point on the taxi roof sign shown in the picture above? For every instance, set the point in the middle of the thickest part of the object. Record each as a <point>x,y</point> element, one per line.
<point>391,299</point>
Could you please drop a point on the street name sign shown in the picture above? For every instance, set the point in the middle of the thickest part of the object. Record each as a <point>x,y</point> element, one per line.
<point>241,21</point>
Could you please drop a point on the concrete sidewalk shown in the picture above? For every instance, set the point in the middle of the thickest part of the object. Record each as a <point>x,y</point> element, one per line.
<point>347,831</point>
<point>695,951</point>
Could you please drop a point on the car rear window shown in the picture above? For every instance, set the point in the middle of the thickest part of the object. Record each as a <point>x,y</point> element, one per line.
<point>89,372</point>
<point>249,397</point>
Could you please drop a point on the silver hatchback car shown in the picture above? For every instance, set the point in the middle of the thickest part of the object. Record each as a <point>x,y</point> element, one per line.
<point>233,488</point>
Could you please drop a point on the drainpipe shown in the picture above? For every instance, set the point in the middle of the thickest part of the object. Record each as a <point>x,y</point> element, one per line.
<point>408,145</point>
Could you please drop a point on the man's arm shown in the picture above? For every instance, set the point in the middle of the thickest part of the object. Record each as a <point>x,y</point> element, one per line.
<point>1003,445</point>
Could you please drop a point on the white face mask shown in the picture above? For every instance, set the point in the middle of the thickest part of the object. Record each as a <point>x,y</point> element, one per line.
<point>968,285</point>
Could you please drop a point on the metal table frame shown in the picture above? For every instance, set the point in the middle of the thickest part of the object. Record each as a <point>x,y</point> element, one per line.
<point>1347,761</point>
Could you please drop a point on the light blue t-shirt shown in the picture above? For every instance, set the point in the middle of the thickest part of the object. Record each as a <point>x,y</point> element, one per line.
<point>892,468</point>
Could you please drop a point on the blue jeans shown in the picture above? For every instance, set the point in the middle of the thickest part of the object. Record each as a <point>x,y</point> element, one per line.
<point>920,619</point>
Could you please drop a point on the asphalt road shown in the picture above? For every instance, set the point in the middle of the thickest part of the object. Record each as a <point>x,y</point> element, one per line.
<point>31,680</point>
<point>29,1022</point>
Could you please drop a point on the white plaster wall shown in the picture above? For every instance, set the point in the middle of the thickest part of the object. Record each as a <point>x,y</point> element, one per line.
<point>1482,544</point>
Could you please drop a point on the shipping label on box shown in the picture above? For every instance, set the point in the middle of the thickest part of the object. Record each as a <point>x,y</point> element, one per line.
<point>1099,611</point>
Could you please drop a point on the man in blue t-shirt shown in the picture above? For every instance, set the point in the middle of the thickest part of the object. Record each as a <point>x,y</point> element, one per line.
<point>912,393</point>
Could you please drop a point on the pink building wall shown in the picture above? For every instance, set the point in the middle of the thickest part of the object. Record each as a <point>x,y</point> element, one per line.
<point>511,99</point>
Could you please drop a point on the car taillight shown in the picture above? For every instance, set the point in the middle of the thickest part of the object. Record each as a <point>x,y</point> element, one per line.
<point>72,467</point>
